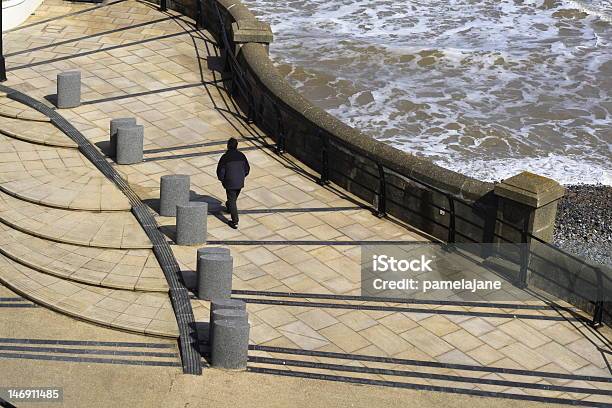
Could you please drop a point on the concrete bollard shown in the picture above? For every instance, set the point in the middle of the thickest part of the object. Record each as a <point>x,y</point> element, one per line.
<point>230,344</point>
<point>226,314</point>
<point>191,223</point>
<point>114,125</point>
<point>215,277</point>
<point>225,304</point>
<point>68,89</point>
<point>174,190</point>
<point>130,141</point>
<point>210,251</point>
<point>213,251</point>
<point>230,314</point>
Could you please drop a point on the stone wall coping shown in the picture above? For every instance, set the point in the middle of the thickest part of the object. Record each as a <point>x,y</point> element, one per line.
<point>530,189</point>
<point>245,31</point>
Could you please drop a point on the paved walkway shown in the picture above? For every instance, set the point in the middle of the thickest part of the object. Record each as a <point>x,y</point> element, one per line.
<point>98,368</point>
<point>297,251</point>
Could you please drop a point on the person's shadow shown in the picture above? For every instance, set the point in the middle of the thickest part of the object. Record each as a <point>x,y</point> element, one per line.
<point>215,206</point>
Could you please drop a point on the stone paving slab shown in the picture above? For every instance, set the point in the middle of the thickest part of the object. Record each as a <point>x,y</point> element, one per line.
<point>139,312</point>
<point>15,110</point>
<point>56,177</point>
<point>135,269</point>
<point>115,229</point>
<point>35,132</point>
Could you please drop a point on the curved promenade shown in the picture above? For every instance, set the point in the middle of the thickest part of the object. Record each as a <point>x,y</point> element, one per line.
<point>297,252</point>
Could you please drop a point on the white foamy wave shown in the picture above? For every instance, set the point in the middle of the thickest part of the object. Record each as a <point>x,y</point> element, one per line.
<point>564,169</point>
<point>599,8</point>
<point>472,85</point>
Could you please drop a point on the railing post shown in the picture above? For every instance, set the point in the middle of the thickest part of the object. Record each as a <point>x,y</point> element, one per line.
<point>382,192</point>
<point>250,117</point>
<point>280,133</point>
<point>525,256</point>
<point>163,6</point>
<point>324,179</point>
<point>260,111</point>
<point>2,61</point>
<point>451,226</point>
<point>599,304</point>
<point>198,14</point>
<point>597,321</point>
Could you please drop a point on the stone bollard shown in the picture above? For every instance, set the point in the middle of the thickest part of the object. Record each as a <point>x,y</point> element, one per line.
<point>69,89</point>
<point>230,314</point>
<point>210,251</point>
<point>191,223</point>
<point>230,344</point>
<point>114,125</point>
<point>130,141</point>
<point>173,191</point>
<point>225,304</point>
<point>226,314</point>
<point>215,277</point>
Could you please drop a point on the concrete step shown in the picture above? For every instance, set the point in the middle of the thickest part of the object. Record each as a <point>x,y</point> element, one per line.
<point>114,229</point>
<point>56,177</point>
<point>135,269</point>
<point>15,110</point>
<point>43,133</point>
<point>137,312</point>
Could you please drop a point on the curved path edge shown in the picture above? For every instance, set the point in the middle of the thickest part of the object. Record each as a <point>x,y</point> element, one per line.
<point>68,144</point>
<point>150,330</point>
<point>179,295</point>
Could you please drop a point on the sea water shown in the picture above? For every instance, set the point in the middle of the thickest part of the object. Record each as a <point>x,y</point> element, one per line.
<point>487,88</point>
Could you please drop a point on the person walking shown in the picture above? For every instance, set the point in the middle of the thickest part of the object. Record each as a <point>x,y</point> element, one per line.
<point>232,169</point>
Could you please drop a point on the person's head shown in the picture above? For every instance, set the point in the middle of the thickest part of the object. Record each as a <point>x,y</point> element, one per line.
<point>232,144</point>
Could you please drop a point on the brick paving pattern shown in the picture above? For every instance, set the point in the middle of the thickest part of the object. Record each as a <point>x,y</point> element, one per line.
<point>136,61</point>
<point>56,177</point>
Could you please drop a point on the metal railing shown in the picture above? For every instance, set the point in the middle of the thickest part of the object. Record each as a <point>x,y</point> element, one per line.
<point>243,87</point>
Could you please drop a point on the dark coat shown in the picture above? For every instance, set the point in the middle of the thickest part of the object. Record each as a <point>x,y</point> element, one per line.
<point>232,169</point>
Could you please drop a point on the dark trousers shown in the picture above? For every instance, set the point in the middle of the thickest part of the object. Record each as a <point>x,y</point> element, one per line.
<point>232,196</point>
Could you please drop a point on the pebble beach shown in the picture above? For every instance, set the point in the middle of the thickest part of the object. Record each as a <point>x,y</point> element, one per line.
<point>584,222</point>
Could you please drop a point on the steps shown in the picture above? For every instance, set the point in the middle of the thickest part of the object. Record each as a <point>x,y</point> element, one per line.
<point>114,229</point>
<point>500,382</point>
<point>56,177</point>
<point>139,312</point>
<point>135,269</point>
<point>43,133</point>
<point>15,110</point>
<point>68,239</point>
